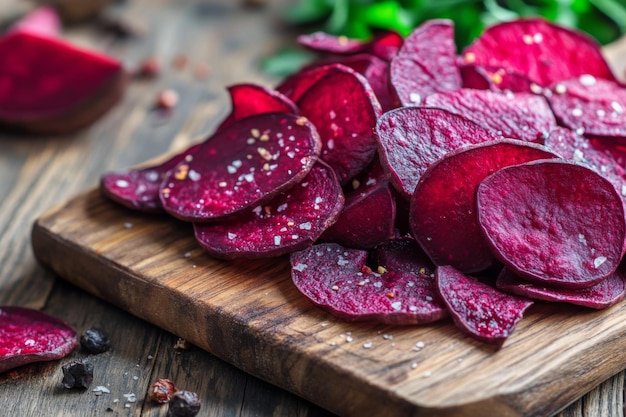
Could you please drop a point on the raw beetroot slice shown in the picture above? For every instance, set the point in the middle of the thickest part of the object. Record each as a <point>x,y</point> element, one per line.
<point>291,221</point>
<point>344,109</point>
<point>479,310</point>
<point>338,280</point>
<point>426,63</point>
<point>542,51</point>
<point>517,116</point>
<point>28,335</point>
<point>410,139</point>
<point>52,86</point>
<point>241,166</point>
<point>602,295</point>
<point>138,189</point>
<point>553,222</point>
<point>443,218</point>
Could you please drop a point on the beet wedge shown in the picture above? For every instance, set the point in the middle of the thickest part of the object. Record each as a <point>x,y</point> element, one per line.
<point>553,222</point>
<point>241,166</point>
<point>28,335</point>
<point>443,218</point>
<point>291,221</point>
<point>338,280</point>
<point>51,86</point>
<point>479,310</point>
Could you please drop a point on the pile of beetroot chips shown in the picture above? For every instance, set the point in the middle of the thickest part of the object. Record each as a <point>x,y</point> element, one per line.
<point>410,183</point>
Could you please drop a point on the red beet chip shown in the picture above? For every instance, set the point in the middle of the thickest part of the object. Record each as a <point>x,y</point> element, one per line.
<point>344,109</point>
<point>497,79</point>
<point>602,295</point>
<point>479,310</point>
<point>52,86</point>
<point>513,115</point>
<point>553,222</point>
<point>138,189</point>
<point>291,221</point>
<point>443,218</point>
<point>404,255</point>
<point>241,166</point>
<point>386,44</point>
<point>542,51</point>
<point>338,280</point>
<point>28,335</point>
<point>369,213</point>
<point>43,20</point>
<point>410,139</point>
<point>251,99</point>
<point>299,83</point>
<point>426,63</point>
<point>376,72</point>
<point>591,105</point>
<point>325,42</point>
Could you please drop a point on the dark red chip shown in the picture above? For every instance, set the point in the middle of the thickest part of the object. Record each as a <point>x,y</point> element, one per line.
<point>602,295</point>
<point>405,255</point>
<point>554,222</point>
<point>376,72</point>
<point>443,217</point>
<point>411,139</point>
<point>338,280</point>
<point>241,166</point>
<point>479,310</point>
<point>299,83</point>
<point>512,115</point>
<point>291,221</point>
<point>28,335</point>
<point>325,42</point>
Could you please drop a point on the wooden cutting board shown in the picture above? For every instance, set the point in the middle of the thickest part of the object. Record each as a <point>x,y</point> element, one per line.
<point>249,314</point>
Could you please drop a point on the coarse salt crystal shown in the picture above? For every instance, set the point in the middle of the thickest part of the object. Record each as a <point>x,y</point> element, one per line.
<point>599,261</point>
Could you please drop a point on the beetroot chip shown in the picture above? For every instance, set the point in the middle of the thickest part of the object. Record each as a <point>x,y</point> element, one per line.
<point>410,139</point>
<point>386,45</point>
<point>497,79</point>
<point>28,335</point>
<point>443,219</point>
<point>344,109</point>
<point>51,86</point>
<point>368,216</point>
<point>325,42</point>
<point>299,83</point>
<point>479,310</point>
<point>404,255</point>
<point>553,222</point>
<point>591,105</point>
<point>517,116</point>
<point>376,72</point>
<point>338,280</point>
<point>251,99</point>
<point>241,166</point>
<point>291,221</point>
<point>542,51</point>
<point>426,63</point>
<point>138,189</point>
<point>602,295</point>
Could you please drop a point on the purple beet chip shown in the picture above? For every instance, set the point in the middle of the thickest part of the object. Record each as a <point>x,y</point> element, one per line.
<point>479,310</point>
<point>338,280</point>
<point>553,222</point>
<point>291,221</point>
<point>28,335</point>
<point>241,166</point>
<point>326,42</point>
<point>404,255</point>
<point>426,63</point>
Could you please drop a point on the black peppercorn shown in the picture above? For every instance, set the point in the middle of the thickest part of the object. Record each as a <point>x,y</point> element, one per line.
<point>184,404</point>
<point>77,374</point>
<point>94,341</point>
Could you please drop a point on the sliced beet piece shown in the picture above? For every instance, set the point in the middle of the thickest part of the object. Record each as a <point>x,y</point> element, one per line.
<point>443,218</point>
<point>475,77</point>
<point>602,295</point>
<point>553,222</point>
<point>404,255</point>
<point>252,99</point>
<point>138,189</point>
<point>241,166</point>
<point>513,115</point>
<point>542,51</point>
<point>43,20</point>
<point>410,139</point>
<point>376,72</point>
<point>28,335</point>
<point>386,44</point>
<point>291,221</point>
<point>338,280</point>
<point>299,83</point>
<point>479,310</point>
<point>497,79</point>
<point>52,86</point>
<point>426,63</point>
<point>326,42</point>
<point>368,216</point>
<point>344,109</point>
<point>592,105</point>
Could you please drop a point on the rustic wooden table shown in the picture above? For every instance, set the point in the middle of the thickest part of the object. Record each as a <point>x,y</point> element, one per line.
<point>37,173</point>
